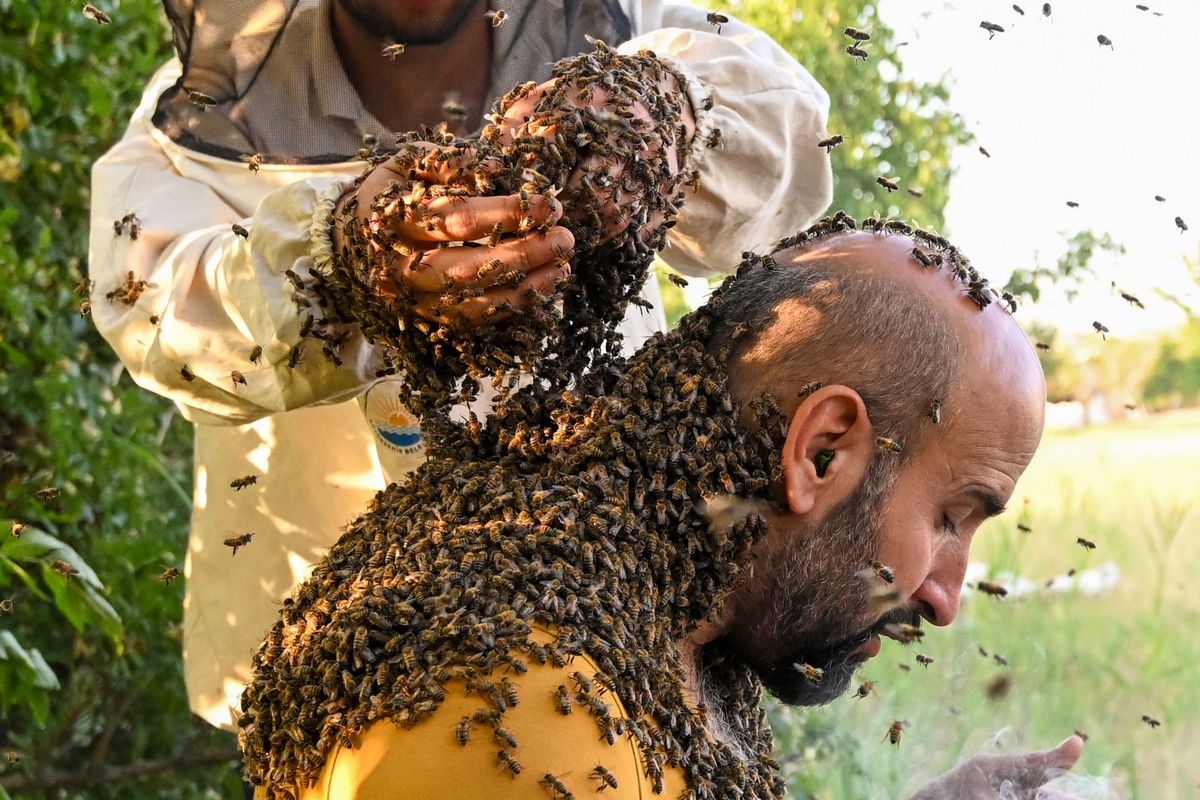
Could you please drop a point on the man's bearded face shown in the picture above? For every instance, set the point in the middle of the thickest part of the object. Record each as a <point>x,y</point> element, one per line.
<point>811,603</point>
<point>412,22</point>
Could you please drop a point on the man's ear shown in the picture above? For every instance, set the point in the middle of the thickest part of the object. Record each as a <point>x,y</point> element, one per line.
<point>829,446</point>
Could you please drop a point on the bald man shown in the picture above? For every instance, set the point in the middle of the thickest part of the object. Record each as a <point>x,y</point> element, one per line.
<point>600,604</point>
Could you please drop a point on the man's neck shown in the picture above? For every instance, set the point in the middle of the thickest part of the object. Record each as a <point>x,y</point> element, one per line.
<point>409,91</point>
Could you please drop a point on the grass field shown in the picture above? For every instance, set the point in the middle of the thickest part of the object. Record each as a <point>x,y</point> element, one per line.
<point>1092,663</point>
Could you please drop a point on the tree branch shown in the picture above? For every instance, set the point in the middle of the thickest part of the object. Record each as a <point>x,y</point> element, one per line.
<point>125,772</point>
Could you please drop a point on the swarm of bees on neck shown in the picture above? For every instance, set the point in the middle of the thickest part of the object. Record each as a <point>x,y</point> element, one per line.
<point>559,333</point>
<point>583,490</point>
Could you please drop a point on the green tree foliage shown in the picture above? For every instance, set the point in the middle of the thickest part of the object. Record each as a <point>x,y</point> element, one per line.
<point>1070,271</point>
<point>1175,378</point>
<point>90,675</point>
<point>892,126</point>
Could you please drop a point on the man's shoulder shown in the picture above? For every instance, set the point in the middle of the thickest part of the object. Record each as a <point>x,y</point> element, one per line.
<point>563,726</point>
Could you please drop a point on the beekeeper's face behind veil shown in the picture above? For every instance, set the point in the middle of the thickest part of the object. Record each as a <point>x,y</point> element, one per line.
<point>412,22</point>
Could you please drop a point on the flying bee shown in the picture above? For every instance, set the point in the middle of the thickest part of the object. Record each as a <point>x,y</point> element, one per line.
<point>237,377</point>
<point>1086,544</point>
<point>888,445</point>
<point>187,374</point>
<point>1132,300</point>
<point>18,528</point>
<point>991,589</point>
<point>893,733</point>
<point>1104,41</point>
<point>713,18</point>
<point>239,231</point>
<point>253,162</point>
<point>295,355</point>
<point>462,731</point>
<point>1179,223</point>
<point>924,661</point>
<point>857,52</point>
<point>1018,9</point>
<point>678,280</point>
<point>47,495</point>
<point>1151,721</point>
<point>96,15</point>
<point>810,673</point>
<point>831,142</point>
<point>904,633</point>
<point>497,17</point>
<point>168,575</point>
<point>1023,528</point>
<point>1041,346</point>
<point>241,483</point>
<point>864,689</point>
<point>1130,406</point>
<point>1046,10</point>
<point>392,50</point>
<point>999,686</point>
<point>1081,734</point>
<point>256,354</point>
<point>13,757</point>
<point>6,606</point>
<point>238,541</point>
<point>606,778</point>
<point>1160,198</point>
<point>984,151</point>
<point>64,568</point>
<point>992,29</point>
<point>882,570</point>
<point>294,279</point>
<point>857,35</point>
<point>1101,329</point>
<point>904,667</point>
<point>916,192</point>
<point>1072,204</point>
<point>999,659</point>
<point>891,184</point>
<point>205,102</point>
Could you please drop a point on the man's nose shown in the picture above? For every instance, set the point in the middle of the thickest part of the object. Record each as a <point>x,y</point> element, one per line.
<point>939,593</point>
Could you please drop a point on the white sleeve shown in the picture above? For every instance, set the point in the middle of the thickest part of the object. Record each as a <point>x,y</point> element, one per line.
<point>766,178</point>
<point>212,297</point>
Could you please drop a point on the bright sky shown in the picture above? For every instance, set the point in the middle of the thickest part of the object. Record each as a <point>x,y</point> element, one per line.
<point>1066,119</point>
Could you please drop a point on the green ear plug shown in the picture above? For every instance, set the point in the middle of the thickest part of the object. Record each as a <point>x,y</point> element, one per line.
<point>822,461</point>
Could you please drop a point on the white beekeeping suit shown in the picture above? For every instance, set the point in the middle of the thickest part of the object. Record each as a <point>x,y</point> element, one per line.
<point>321,438</point>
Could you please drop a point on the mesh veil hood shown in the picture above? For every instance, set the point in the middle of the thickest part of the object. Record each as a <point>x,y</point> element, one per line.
<point>281,92</point>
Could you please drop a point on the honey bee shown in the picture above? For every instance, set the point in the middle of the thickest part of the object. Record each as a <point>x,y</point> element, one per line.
<point>916,192</point>
<point>809,672</point>
<point>238,541</point>
<point>882,570</point>
<point>904,633</point>
<point>187,374</point>
<point>508,762</point>
<point>991,589</point>
<point>240,231</point>
<point>1018,9</point>
<point>925,258</point>
<point>606,778</point>
<point>168,575</point>
<point>18,528</point>
<point>85,308</point>
<point>47,495</point>
<point>864,689</point>
<point>893,733</point>
<point>13,757</point>
<point>1072,204</point>
<point>1041,345</point>
<point>713,18</point>
<point>1081,734</point>
<point>556,787</point>
<point>1151,721</point>
<point>253,162</point>
<point>924,661</point>
<point>294,279</point>
<point>205,102</point>
<point>857,52</point>
<point>392,50</point>
<point>1046,10</point>
<point>1132,300</point>
<point>1085,543</point>
<point>582,682</point>
<point>992,29</point>
<point>497,17</point>
<point>508,690</point>
<point>1179,223</point>
<point>904,667</point>
<point>564,700</point>
<point>999,686</point>
<point>808,389</point>
<point>504,736</point>
<point>295,355</point>
<point>1023,528</point>
<point>237,377</point>
<point>857,35</point>
<point>96,15</point>
<point>888,445</point>
<point>984,151</point>
<point>6,606</point>
<point>935,410</point>
<point>831,142</point>
<point>243,482</point>
<point>891,184</point>
<point>999,659</point>
<point>256,354</point>
<point>1101,329</point>
<point>462,731</point>
<point>1104,41</point>
<point>64,568</point>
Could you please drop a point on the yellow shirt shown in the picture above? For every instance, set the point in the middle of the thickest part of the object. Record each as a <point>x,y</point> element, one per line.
<point>426,761</point>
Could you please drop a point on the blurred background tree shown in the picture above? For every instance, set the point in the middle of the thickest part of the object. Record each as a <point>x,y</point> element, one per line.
<point>91,684</point>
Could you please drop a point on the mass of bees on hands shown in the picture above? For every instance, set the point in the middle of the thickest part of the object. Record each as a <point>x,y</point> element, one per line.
<point>576,479</point>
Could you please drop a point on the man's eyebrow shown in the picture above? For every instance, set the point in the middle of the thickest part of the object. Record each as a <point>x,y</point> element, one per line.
<point>992,504</point>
